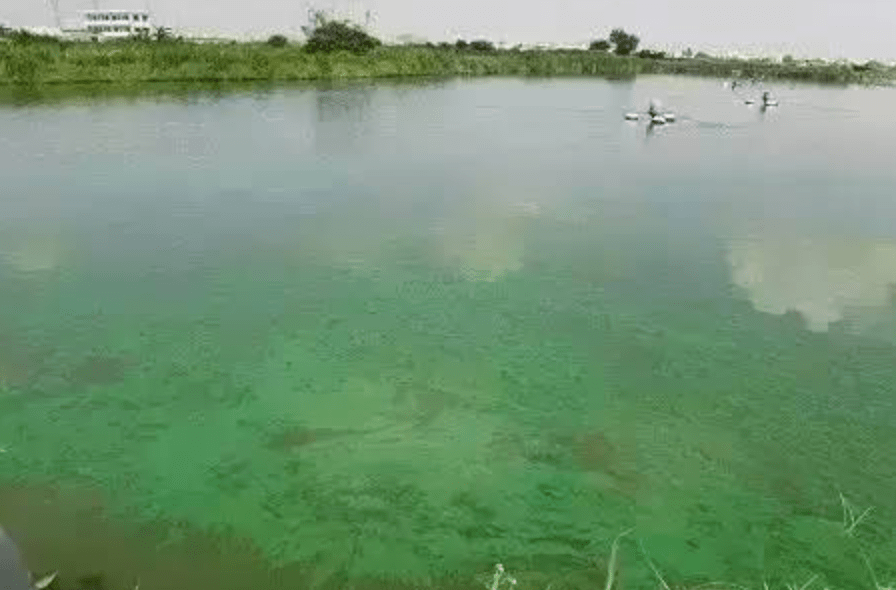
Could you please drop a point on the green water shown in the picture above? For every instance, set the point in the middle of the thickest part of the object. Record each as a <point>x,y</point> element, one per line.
<point>391,335</point>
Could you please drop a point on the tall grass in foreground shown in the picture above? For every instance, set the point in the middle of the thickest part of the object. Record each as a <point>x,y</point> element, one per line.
<point>139,61</point>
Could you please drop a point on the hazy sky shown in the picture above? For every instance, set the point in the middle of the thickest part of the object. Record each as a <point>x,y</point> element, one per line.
<point>857,29</point>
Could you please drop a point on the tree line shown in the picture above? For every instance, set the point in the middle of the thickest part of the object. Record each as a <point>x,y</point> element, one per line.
<point>327,35</point>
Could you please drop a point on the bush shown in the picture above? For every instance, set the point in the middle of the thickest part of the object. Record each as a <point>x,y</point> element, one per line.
<point>482,45</point>
<point>328,36</point>
<point>599,45</point>
<point>163,34</point>
<point>278,41</point>
<point>461,44</point>
<point>625,43</point>
<point>648,54</point>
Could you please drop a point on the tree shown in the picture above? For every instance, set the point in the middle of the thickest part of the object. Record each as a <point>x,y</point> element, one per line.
<point>163,34</point>
<point>599,45</point>
<point>278,41</point>
<point>688,53</point>
<point>326,36</point>
<point>482,45</point>
<point>625,43</point>
<point>648,54</point>
<point>460,44</point>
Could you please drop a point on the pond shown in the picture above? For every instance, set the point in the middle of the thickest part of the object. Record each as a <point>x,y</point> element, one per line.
<point>389,335</point>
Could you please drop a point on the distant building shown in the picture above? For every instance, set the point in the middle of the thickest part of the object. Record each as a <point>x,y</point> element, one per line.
<point>105,24</point>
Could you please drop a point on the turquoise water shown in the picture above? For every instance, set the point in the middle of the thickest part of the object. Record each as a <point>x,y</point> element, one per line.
<point>391,335</point>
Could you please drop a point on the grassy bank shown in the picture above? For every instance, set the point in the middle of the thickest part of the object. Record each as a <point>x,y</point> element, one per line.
<point>46,62</point>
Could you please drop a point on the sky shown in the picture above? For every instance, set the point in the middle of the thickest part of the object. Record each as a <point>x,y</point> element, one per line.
<point>854,29</point>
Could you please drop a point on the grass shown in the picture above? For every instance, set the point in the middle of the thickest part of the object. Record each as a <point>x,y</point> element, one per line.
<point>48,62</point>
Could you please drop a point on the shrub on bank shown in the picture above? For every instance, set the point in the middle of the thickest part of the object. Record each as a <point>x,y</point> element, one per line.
<point>278,41</point>
<point>330,36</point>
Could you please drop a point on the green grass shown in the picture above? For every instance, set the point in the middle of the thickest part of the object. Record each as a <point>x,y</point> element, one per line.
<point>135,62</point>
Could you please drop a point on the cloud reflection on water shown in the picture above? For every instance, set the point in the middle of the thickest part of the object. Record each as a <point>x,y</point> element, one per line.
<point>33,254</point>
<point>826,278</point>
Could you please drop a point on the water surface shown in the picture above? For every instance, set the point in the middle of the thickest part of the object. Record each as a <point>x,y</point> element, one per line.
<point>394,334</point>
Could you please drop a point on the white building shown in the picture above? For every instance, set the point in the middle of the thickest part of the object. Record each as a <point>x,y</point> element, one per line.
<point>104,24</point>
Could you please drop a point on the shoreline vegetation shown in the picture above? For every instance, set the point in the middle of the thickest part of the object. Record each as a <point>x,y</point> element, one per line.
<point>337,50</point>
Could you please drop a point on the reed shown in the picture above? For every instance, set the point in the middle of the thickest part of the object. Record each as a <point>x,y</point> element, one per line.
<point>43,61</point>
